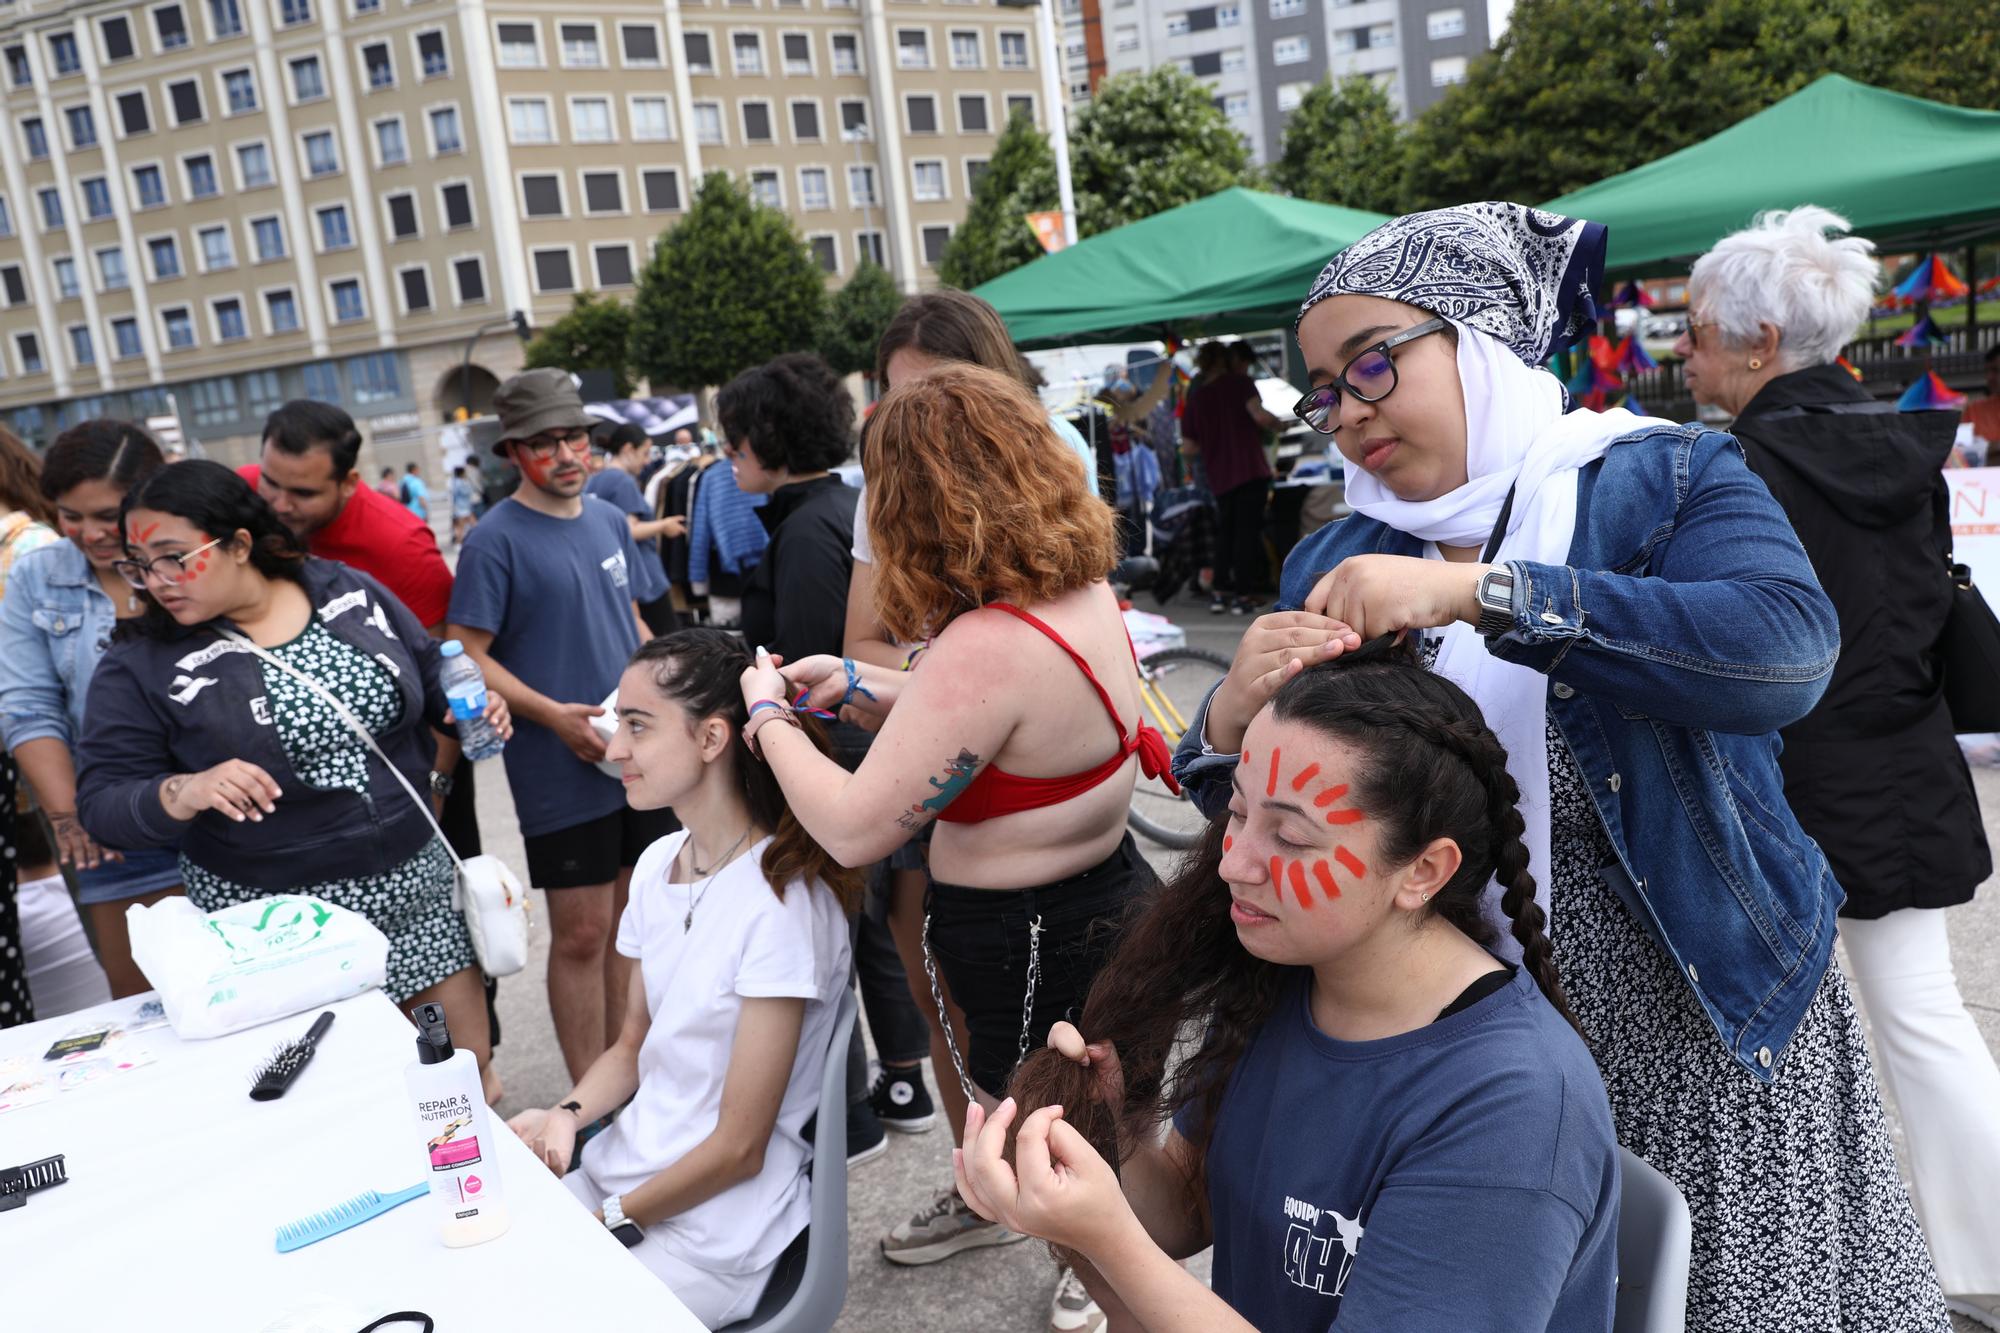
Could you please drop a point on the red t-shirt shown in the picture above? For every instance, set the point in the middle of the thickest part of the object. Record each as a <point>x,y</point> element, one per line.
<point>1217,418</point>
<point>381,538</point>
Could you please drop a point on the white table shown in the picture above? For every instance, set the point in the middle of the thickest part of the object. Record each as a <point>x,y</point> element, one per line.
<point>178,1181</point>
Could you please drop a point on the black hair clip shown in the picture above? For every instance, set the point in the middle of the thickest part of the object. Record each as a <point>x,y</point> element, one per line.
<point>18,1182</point>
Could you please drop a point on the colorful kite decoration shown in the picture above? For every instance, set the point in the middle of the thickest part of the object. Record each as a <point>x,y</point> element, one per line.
<point>1591,383</point>
<point>1634,296</point>
<point>1603,353</point>
<point>1930,394</point>
<point>1923,333</point>
<point>1931,280</point>
<point>1633,357</point>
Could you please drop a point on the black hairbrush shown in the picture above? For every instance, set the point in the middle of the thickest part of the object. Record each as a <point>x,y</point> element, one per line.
<point>277,1072</point>
<point>18,1182</point>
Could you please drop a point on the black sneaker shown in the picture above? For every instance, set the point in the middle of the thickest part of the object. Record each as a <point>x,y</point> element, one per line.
<point>865,1138</point>
<point>900,1100</point>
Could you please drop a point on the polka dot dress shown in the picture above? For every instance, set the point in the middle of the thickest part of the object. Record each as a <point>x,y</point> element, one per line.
<point>16,1005</point>
<point>410,903</point>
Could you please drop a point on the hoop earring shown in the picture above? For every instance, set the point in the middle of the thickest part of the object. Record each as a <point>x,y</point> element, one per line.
<point>1756,364</point>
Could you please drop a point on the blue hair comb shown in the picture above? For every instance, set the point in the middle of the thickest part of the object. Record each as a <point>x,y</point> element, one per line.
<point>352,1213</point>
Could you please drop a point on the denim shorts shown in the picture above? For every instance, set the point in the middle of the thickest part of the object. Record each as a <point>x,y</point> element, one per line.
<point>139,874</point>
<point>983,938</point>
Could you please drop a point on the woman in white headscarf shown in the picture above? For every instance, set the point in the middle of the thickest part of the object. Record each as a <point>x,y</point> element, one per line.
<point>1636,619</point>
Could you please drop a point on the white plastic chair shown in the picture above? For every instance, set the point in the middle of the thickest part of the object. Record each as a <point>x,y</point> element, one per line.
<point>809,1286</point>
<point>1655,1237</point>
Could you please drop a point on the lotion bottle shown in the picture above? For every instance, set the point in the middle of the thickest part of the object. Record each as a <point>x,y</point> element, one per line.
<point>459,1148</point>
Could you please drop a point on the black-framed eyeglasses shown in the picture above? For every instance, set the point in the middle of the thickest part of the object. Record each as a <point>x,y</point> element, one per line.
<point>1370,376</point>
<point>170,570</point>
<point>543,447</point>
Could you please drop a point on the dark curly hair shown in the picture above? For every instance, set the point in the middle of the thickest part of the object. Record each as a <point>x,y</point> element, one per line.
<point>220,503</point>
<point>794,412</point>
<point>100,450</point>
<point>1429,768</point>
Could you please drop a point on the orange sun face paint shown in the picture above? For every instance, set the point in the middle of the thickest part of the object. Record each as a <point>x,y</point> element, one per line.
<point>1306,774</point>
<point>1349,862</point>
<point>1271,784</point>
<point>1325,878</point>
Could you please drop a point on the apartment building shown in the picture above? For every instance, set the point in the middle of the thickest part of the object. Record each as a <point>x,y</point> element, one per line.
<point>1260,57</point>
<point>247,201</point>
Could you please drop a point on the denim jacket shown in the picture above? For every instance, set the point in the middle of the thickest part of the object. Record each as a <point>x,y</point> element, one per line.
<point>1685,630</point>
<point>55,623</point>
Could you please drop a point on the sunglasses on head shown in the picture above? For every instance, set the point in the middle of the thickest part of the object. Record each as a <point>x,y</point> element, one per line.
<point>1370,375</point>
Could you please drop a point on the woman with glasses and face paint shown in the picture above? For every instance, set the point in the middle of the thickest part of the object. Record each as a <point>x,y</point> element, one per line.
<point>1636,619</point>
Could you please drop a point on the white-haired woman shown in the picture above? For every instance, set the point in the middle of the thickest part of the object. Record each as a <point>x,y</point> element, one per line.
<point>1873,772</point>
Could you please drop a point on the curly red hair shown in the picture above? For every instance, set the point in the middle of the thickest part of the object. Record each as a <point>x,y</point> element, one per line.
<point>973,498</point>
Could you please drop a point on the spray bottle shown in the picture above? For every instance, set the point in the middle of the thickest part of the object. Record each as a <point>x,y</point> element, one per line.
<point>459,1147</point>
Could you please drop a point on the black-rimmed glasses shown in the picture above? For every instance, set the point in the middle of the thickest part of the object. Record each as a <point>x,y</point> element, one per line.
<point>541,448</point>
<point>170,570</point>
<point>1370,376</point>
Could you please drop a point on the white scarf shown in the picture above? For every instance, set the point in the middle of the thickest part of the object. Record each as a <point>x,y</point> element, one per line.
<point>1518,438</point>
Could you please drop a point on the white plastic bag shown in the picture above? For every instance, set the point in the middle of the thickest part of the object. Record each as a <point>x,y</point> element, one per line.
<point>605,724</point>
<point>223,971</point>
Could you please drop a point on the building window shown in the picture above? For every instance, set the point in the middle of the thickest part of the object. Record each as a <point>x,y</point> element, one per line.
<point>640,44</point>
<point>165,254</point>
<point>746,53</point>
<point>82,127</point>
<point>239,86</point>
<point>390,145</point>
<point>614,265</point>
<point>590,120</point>
<point>67,287</point>
<point>149,184</point>
<point>652,119</point>
<point>756,122</point>
<point>125,338</point>
<point>965,50</point>
<point>294,12</point>
<point>1290,95</point>
<point>541,196</point>
<point>334,231</point>
<point>1228,16</point>
<point>470,276</point>
<point>201,178</point>
<point>179,325</point>
<point>321,158</point>
<point>170,27</point>
<point>661,190</point>
<point>52,208</point>
<point>416,285</point>
<point>267,235</point>
<point>972,117</point>
<point>6,218</point>
<point>868,248</point>
<point>708,122</point>
<point>913,48</point>
<point>765,189</point>
<point>1447,70</point>
<point>367,7</point>
<point>12,285</point>
<point>19,73</point>
<point>935,239</point>
<point>520,46</point>
<point>381,69</point>
<point>1125,37</point>
<point>805,122</point>
<point>133,115</point>
<point>111,272</point>
<point>308,83</point>
<point>81,351</point>
<point>225,17</point>
<point>529,121</point>
<point>63,54</point>
<point>700,52</point>
<point>1234,60</point>
<point>1442,23</point>
<point>1013,50</point>
<point>402,216</point>
<point>347,303</point>
<point>921,109</point>
<point>1236,106</point>
<point>214,401</point>
<point>846,50</point>
<point>30,352</point>
<point>263,391</point>
<point>1284,9</point>
<point>825,253</point>
<point>580,49</point>
<point>457,201</point>
<point>431,56</point>
<point>1177,25</point>
<point>96,197</point>
<point>281,310</point>
<point>861,187</point>
<point>853,118</point>
<point>798,53</point>
<point>444,130</point>
<point>216,250</point>
<point>1020,104</point>
<point>553,272</point>
<point>815,192</point>
<point>927,181</point>
<point>34,138</point>
<point>604,192</point>
<point>322,381</point>
<point>1291,50</point>
<point>375,378</point>
<point>229,325</point>
<point>975,167</point>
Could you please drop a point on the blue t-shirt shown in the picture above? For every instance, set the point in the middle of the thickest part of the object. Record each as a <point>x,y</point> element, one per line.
<point>615,487</point>
<point>416,495</point>
<point>556,595</point>
<point>1461,1176</point>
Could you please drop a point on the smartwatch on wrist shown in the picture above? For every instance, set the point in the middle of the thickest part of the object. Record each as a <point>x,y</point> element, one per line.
<point>440,784</point>
<point>1496,602</point>
<point>619,1225</point>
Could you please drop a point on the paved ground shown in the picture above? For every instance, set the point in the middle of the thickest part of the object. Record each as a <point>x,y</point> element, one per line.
<point>1007,1290</point>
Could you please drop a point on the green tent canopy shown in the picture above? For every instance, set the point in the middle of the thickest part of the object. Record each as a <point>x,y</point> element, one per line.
<point>1235,262</point>
<point>1903,170</point>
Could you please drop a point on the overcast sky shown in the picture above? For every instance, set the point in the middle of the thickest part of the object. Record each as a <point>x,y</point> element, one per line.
<point>1496,16</point>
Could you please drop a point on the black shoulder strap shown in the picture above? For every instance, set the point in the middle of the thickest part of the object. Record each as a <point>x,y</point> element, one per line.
<point>1499,529</point>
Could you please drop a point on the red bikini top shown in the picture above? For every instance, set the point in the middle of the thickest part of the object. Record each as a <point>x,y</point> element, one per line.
<point>996,792</point>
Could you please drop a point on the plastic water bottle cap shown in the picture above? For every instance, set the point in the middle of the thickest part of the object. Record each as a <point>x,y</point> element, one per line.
<point>452,648</point>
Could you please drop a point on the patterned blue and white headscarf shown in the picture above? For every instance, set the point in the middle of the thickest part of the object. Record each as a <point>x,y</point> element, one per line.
<point>1521,275</point>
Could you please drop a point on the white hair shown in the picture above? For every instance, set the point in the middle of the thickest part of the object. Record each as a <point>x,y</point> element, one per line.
<point>1797,270</point>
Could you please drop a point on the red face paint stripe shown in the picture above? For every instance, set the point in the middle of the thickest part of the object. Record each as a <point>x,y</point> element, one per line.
<point>1306,774</point>
<point>1299,885</point>
<point>1278,873</point>
<point>1325,877</point>
<point>1343,816</point>
<point>1349,862</point>
<point>1227,842</point>
<point>1330,795</point>
<point>1243,758</point>
<point>1271,784</point>
<point>145,533</point>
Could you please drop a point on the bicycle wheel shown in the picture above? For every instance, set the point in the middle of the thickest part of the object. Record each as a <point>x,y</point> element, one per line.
<point>1172,685</point>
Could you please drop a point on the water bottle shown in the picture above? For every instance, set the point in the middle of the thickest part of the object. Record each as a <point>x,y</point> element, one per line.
<point>466,689</point>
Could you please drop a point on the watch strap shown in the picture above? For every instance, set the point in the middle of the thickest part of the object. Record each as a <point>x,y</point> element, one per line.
<point>614,1212</point>
<point>1496,602</point>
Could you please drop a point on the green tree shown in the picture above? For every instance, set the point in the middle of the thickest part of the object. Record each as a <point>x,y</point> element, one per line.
<point>855,317</point>
<point>729,287</point>
<point>1343,146</point>
<point>1946,50</point>
<point>1020,178</point>
<point>596,334</point>
<point>1149,142</point>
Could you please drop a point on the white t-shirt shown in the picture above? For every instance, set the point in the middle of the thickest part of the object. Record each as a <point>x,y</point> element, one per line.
<point>745,944</point>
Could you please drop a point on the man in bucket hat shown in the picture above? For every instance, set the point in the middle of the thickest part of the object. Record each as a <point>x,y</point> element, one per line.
<point>543,603</point>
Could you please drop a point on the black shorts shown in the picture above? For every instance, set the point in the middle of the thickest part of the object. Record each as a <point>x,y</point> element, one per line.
<point>594,852</point>
<point>980,938</point>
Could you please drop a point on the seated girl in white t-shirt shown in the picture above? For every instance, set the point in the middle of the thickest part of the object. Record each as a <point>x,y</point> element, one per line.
<point>738,925</point>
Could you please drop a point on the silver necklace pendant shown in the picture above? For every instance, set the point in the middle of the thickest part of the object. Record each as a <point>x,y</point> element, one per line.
<point>687,922</point>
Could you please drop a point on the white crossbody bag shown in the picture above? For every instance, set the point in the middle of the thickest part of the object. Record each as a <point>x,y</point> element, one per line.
<point>492,900</point>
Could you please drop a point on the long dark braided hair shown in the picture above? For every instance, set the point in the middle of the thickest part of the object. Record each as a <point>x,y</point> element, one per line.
<point>1429,768</point>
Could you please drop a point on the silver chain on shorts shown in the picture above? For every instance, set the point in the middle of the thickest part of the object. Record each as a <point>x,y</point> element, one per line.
<point>944,1017</point>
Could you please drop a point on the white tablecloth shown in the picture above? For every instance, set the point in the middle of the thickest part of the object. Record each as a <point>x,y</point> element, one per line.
<point>178,1182</point>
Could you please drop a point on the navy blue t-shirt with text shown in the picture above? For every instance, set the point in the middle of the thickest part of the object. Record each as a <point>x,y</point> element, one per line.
<point>615,487</point>
<point>556,595</point>
<point>1462,1176</point>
